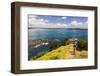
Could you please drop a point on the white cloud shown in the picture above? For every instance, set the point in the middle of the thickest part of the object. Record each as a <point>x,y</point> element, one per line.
<point>43,23</point>
<point>76,24</point>
<point>34,22</point>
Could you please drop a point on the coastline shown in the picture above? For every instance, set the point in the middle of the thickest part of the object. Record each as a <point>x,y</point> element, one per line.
<point>63,49</point>
<point>36,43</point>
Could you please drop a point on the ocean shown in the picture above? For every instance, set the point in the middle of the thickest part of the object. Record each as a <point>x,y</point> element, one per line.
<point>52,34</point>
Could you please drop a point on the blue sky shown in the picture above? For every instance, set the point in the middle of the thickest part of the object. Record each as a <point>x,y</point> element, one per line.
<point>47,21</point>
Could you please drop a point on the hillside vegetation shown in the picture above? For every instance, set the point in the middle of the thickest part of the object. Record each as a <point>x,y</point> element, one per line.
<point>64,50</point>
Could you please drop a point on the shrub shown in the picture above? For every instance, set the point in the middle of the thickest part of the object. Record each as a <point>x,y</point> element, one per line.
<point>82,44</point>
<point>66,41</point>
<point>54,45</point>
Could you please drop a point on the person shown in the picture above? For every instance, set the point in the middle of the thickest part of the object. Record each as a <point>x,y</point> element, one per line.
<point>74,46</point>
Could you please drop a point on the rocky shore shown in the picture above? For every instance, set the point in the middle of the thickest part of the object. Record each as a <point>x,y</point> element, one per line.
<point>36,43</point>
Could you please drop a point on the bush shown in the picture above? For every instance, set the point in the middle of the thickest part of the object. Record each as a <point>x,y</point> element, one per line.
<point>64,41</point>
<point>67,41</point>
<point>54,45</point>
<point>82,44</point>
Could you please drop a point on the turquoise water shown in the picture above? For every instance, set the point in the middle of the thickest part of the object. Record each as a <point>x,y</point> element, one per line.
<point>51,35</point>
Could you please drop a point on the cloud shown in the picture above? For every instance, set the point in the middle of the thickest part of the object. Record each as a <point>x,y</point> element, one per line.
<point>35,22</point>
<point>76,24</point>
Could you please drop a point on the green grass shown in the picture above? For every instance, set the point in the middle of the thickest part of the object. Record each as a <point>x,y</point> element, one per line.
<point>63,52</point>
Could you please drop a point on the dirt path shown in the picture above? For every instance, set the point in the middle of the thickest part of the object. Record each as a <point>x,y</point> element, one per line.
<point>70,52</point>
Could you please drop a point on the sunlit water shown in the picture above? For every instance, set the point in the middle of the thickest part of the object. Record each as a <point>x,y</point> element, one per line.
<point>51,35</point>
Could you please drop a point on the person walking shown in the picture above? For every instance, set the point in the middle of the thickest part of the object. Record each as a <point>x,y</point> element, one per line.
<point>74,46</point>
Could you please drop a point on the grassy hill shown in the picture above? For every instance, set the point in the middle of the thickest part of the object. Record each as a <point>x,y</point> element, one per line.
<point>63,52</point>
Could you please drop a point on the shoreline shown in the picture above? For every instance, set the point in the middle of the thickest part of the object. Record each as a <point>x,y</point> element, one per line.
<point>36,43</point>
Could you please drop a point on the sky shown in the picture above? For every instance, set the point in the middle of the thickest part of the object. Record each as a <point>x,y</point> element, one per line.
<point>49,21</point>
